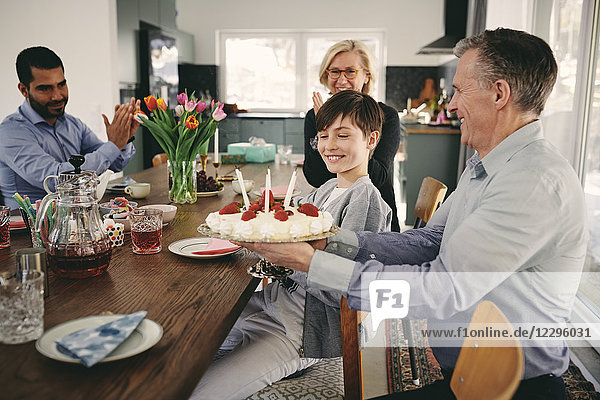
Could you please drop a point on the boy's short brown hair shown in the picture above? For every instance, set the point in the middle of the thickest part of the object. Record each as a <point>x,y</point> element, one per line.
<point>363,111</point>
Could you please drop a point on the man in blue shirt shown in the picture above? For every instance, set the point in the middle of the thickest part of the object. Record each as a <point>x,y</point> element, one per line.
<point>513,232</point>
<point>38,139</point>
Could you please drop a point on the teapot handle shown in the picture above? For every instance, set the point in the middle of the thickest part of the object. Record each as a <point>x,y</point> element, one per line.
<point>46,182</point>
<point>41,212</point>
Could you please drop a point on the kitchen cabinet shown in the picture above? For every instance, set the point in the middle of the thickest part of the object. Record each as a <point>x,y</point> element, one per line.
<point>430,152</point>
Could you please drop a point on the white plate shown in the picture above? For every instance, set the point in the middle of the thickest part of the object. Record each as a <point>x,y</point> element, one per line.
<point>209,194</point>
<point>116,188</point>
<point>146,335</point>
<point>187,247</point>
<point>277,196</point>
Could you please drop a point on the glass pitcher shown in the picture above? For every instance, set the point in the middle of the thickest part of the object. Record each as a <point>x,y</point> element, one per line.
<point>77,245</point>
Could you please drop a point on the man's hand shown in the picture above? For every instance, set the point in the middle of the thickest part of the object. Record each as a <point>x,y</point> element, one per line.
<point>123,125</point>
<point>292,255</point>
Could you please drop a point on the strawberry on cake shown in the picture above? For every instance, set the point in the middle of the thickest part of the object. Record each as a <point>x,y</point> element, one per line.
<point>278,224</point>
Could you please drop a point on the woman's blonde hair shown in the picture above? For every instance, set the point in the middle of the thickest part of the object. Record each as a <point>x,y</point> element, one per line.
<point>353,46</point>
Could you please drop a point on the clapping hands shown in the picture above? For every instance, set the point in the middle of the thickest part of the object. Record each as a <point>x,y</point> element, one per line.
<point>123,125</point>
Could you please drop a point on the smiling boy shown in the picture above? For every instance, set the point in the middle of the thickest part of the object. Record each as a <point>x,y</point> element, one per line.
<point>287,326</point>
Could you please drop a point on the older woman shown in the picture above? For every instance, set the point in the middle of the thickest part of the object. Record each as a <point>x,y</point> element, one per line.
<point>347,66</point>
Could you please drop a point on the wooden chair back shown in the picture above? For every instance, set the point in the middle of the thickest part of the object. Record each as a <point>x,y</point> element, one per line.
<point>431,195</point>
<point>352,359</point>
<point>160,158</point>
<point>483,371</point>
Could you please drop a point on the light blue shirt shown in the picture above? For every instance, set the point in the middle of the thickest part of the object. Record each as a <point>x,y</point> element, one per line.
<point>31,149</point>
<point>518,215</point>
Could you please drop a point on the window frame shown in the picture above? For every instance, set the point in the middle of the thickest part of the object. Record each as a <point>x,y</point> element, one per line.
<point>302,36</point>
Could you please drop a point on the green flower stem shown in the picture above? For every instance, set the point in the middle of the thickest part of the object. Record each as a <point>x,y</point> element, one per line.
<point>183,186</point>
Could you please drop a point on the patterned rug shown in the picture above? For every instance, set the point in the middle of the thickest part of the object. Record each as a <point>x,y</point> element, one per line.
<point>400,375</point>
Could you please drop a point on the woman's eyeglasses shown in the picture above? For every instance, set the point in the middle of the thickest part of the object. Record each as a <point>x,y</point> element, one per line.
<point>348,73</point>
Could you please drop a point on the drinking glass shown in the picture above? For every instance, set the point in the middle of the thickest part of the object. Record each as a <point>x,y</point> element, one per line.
<point>284,151</point>
<point>4,226</point>
<point>146,230</point>
<point>21,306</point>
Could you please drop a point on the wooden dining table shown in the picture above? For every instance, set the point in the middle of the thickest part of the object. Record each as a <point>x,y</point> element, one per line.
<point>196,301</point>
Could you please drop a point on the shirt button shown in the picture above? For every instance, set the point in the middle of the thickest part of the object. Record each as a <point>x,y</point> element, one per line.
<point>372,256</point>
<point>349,250</point>
<point>334,245</point>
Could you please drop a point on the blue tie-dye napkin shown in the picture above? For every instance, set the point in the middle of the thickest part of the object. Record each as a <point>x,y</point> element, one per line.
<point>93,344</point>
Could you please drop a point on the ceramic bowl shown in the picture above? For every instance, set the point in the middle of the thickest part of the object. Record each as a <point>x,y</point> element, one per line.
<point>168,210</point>
<point>105,207</point>
<point>248,184</point>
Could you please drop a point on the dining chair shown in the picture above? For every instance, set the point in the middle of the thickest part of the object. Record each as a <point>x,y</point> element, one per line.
<point>431,194</point>
<point>160,158</point>
<point>488,368</point>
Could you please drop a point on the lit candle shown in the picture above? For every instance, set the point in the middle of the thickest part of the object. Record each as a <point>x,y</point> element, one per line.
<point>290,190</point>
<point>216,145</point>
<point>243,188</point>
<point>267,190</point>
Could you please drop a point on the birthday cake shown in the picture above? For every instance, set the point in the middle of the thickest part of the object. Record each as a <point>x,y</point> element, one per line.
<point>278,224</point>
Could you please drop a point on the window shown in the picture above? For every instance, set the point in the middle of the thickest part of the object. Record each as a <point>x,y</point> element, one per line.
<point>278,70</point>
<point>572,123</point>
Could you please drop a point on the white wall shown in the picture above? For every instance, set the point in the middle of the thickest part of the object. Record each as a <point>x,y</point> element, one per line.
<point>409,24</point>
<point>83,33</point>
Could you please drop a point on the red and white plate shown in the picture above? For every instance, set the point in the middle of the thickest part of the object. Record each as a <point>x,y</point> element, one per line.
<point>203,247</point>
<point>278,192</point>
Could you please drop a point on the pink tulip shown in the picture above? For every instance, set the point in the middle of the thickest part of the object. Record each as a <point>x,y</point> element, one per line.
<point>190,106</point>
<point>201,106</point>
<point>219,114</point>
<point>182,98</point>
<point>212,104</point>
<point>179,110</point>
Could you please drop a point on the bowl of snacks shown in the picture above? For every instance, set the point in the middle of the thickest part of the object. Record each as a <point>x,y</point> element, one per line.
<point>168,210</point>
<point>119,207</point>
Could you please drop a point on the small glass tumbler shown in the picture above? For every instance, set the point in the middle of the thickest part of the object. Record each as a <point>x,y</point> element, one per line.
<point>4,226</point>
<point>21,306</point>
<point>284,151</point>
<point>146,230</point>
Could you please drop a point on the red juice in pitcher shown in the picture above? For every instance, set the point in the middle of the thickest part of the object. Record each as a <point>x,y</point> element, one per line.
<point>68,264</point>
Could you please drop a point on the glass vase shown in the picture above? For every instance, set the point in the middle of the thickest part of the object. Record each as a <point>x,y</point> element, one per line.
<point>182,181</point>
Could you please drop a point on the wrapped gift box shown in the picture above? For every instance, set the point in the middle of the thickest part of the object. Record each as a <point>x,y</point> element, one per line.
<point>253,153</point>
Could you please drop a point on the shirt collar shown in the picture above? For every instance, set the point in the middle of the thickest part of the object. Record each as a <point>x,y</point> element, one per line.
<point>32,116</point>
<point>500,154</point>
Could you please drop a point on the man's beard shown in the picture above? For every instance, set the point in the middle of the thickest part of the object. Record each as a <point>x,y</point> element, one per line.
<point>45,111</point>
